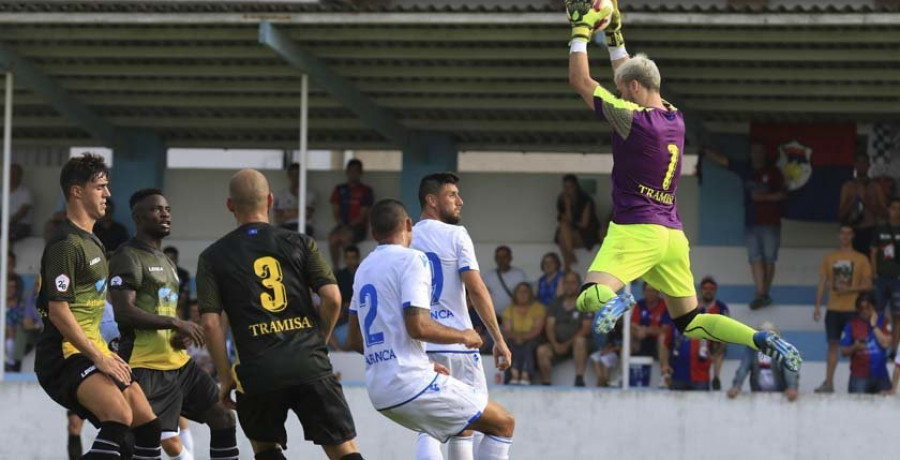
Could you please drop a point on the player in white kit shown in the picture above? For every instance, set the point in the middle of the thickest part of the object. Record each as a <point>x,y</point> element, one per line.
<point>390,321</point>
<point>454,272</point>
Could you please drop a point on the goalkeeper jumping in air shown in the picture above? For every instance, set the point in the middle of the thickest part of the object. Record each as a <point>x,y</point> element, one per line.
<point>645,238</point>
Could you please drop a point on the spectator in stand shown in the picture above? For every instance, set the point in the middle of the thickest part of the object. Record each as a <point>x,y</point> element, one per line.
<point>549,286</point>
<point>501,280</point>
<point>21,204</point>
<point>862,204</point>
<point>647,323</point>
<point>686,360</point>
<point>30,329</point>
<point>15,316</point>
<point>576,215</point>
<point>184,283</point>
<point>568,332</point>
<point>287,214</point>
<point>523,324</point>
<point>111,233</point>
<point>764,377</point>
<point>350,205</point>
<point>344,278</point>
<point>709,304</point>
<point>606,360</point>
<point>865,341</point>
<point>844,273</point>
<point>11,269</point>
<point>884,260</point>
<point>764,190</point>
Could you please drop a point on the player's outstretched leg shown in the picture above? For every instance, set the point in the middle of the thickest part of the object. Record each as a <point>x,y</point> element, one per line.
<point>498,426</point>
<point>602,299</point>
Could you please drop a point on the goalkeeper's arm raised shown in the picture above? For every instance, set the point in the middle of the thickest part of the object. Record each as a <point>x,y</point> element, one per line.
<point>582,21</point>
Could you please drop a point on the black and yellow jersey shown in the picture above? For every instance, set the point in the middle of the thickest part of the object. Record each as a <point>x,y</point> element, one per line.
<point>137,266</point>
<point>261,277</point>
<point>73,270</point>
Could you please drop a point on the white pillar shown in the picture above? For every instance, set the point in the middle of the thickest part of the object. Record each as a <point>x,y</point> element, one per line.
<point>304,132</point>
<point>4,219</point>
<point>626,345</point>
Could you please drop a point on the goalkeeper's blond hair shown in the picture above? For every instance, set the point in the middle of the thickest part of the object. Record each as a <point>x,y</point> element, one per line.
<point>641,69</point>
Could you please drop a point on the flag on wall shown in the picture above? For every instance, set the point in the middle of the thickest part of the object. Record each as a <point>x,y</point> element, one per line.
<point>815,159</point>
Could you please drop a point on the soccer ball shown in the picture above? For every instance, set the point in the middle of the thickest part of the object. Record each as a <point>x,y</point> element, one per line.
<point>602,10</point>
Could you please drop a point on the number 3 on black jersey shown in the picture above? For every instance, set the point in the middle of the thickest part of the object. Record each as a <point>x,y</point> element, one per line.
<point>268,269</point>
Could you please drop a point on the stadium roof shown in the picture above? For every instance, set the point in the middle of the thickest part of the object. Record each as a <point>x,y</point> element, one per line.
<point>492,74</point>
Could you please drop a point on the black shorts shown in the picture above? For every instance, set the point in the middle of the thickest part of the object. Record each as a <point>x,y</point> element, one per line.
<point>187,391</point>
<point>835,322</point>
<point>62,384</point>
<point>320,406</point>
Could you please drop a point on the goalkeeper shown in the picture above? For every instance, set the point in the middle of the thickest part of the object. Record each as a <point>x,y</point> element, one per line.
<point>645,237</point>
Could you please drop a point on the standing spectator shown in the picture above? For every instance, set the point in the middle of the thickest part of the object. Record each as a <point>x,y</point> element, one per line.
<point>865,341</point>
<point>15,316</point>
<point>607,359</point>
<point>111,233</point>
<point>523,323</point>
<point>862,204</point>
<point>21,204</point>
<point>764,190</point>
<point>845,273</point>
<point>885,244</point>
<point>576,215</point>
<point>568,332</point>
<point>685,359</point>
<point>647,323</point>
<point>287,215</point>
<point>709,304</point>
<point>344,278</point>
<point>501,280</point>
<point>549,286</point>
<point>764,377</point>
<point>350,205</point>
<point>184,283</point>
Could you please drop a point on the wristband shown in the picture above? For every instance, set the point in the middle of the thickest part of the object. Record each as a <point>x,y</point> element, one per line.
<point>617,52</point>
<point>578,46</point>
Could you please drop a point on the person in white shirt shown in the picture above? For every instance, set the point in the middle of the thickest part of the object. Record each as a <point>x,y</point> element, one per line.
<point>20,205</point>
<point>287,214</point>
<point>454,273</point>
<point>502,280</point>
<point>390,321</point>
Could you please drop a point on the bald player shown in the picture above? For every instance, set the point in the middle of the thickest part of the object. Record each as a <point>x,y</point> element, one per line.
<point>645,238</point>
<point>261,276</point>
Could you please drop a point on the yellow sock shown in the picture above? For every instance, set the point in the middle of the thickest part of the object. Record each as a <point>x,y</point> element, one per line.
<point>721,329</point>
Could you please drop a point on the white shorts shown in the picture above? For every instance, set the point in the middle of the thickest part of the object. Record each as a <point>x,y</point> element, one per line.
<point>465,367</point>
<point>442,410</point>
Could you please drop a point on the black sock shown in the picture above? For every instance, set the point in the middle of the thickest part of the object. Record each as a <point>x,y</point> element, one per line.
<point>223,444</point>
<point>274,454</point>
<point>107,443</point>
<point>146,440</point>
<point>353,456</point>
<point>74,447</point>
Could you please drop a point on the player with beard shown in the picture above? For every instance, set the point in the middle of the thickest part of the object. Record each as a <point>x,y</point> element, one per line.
<point>454,273</point>
<point>144,291</point>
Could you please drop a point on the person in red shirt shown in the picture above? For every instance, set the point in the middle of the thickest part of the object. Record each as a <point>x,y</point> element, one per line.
<point>709,304</point>
<point>647,322</point>
<point>764,190</point>
<point>350,204</point>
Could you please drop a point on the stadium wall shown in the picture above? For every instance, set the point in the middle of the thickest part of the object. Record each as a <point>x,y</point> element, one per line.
<point>561,423</point>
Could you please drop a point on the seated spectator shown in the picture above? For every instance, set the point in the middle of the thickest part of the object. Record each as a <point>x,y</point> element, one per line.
<point>344,278</point>
<point>11,269</point>
<point>764,190</point>
<point>647,323</point>
<point>501,280</point>
<point>21,205</point>
<point>883,258</point>
<point>568,332</point>
<point>30,329</point>
<point>844,274</point>
<point>184,283</point>
<point>764,376</point>
<point>862,204</point>
<point>606,360</point>
<point>287,214</point>
<point>548,285</point>
<point>523,323</point>
<point>576,215</point>
<point>111,233</point>
<point>865,341</point>
<point>15,316</point>
<point>350,205</point>
<point>684,360</point>
<point>709,304</point>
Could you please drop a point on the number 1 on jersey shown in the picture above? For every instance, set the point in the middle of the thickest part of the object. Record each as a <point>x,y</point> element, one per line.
<point>268,269</point>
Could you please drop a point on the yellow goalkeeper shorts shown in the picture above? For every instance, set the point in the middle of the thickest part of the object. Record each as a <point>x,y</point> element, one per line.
<point>660,255</point>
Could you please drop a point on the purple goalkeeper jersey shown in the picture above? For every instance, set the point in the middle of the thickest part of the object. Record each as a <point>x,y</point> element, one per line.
<point>647,147</point>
